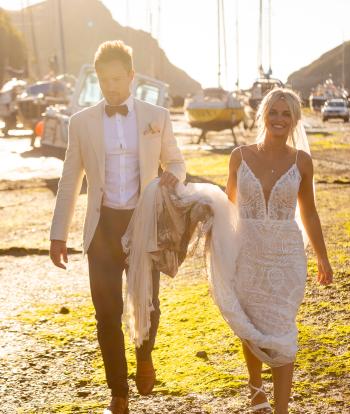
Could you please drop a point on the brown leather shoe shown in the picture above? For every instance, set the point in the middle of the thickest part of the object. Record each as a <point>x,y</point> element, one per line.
<point>118,405</point>
<point>145,377</point>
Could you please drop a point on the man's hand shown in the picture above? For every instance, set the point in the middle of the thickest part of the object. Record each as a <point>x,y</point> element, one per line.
<point>58,251</point>
<point>168,179</point>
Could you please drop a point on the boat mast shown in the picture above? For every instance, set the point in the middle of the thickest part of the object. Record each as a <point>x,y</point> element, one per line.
<point>35,48</point>
<point>343,63</point>
<point>24,33</point>
<point>224,36</point>
<point>160,51</point>
<point>269,73</point>
<point>150,17</point>
<point>149,12</point>
<point>159,21</point>
<point>63,51</point>
<point>237,45</point>
<point>127,14</point>
<point>260,39</point>
<point>23,21</point>
<point>219,51</point>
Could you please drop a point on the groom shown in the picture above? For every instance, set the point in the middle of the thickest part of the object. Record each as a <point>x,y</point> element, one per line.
<point>119,144</point>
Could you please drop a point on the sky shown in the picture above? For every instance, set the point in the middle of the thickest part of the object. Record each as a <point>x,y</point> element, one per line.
<point>301,31</point>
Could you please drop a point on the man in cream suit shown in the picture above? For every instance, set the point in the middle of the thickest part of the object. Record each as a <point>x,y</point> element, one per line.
<point>119,144</point>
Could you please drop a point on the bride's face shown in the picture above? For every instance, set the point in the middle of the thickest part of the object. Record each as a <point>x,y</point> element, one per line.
<point>279,119</point>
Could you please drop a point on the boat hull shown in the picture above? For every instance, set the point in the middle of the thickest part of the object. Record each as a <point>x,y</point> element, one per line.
<point>214,119</point>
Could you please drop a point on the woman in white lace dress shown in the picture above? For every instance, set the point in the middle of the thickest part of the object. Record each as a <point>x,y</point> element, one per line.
<point>268,182</point>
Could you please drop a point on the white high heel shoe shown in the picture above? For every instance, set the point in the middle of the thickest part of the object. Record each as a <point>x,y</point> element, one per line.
<point>264,407</point>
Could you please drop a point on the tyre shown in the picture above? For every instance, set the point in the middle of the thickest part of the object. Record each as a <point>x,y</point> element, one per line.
<point>10,123</point>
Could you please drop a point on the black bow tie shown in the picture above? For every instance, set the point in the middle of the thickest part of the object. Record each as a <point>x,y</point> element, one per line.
<point>116,109</point>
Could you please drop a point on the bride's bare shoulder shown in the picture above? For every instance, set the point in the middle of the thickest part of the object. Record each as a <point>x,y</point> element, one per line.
<point>235,158</point>
<point>238,154</point>
<point>304,157</point>
<point>239,151</point>
<point>304,162</point>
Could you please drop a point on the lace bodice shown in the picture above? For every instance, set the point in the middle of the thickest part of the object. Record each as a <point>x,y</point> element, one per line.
<point>282,201</point>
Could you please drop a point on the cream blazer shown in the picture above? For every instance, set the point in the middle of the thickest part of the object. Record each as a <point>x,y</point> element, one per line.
<point>86,155</point>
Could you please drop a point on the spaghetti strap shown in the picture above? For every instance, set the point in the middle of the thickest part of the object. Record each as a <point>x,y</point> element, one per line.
<point>240,150</point>
<point>296,156</point>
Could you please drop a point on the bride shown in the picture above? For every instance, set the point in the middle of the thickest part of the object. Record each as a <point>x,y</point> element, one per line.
<point>259,230</point>
<point>271,183</point>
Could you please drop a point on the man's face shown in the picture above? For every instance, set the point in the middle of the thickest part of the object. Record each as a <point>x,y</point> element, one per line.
<point>114,81</point>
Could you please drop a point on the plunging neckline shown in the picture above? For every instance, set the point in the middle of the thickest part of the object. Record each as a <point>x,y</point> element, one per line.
<point>267,200</point>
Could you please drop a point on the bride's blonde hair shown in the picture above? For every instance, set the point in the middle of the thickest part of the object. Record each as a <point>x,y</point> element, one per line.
<point>294,103</point>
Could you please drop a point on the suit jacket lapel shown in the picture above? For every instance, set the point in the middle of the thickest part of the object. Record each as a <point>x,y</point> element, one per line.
<point>96,135</point>
<point>140,118</point>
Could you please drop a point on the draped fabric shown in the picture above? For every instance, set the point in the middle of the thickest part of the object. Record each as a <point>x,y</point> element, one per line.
<point>159,234</point>
<point>256,260</point>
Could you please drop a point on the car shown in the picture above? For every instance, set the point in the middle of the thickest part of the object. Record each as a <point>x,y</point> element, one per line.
<point>53,129</point>
<point>335,108</point>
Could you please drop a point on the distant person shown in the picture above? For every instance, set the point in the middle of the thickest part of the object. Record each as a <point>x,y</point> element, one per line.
<point>267,181</point>
<point>119,144</point>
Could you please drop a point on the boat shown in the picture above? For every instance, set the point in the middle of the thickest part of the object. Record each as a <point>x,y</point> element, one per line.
<point>214,109</point>
<point>260,88</point>
<point>325,91</point>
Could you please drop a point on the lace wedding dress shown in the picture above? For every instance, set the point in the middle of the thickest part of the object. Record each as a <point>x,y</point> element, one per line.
<point>270,269</point>
<point>256,260</point>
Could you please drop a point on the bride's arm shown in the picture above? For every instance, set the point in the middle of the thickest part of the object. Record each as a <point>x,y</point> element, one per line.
<point>231,185</point>
<point>311,220</point>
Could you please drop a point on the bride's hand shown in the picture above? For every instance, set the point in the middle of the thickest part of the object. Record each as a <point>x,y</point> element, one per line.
<point>325,272</point>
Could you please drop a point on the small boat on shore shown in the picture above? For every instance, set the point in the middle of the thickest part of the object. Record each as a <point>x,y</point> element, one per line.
<point>260,88</point>
<point>325,91</point>
<point>214,109</point>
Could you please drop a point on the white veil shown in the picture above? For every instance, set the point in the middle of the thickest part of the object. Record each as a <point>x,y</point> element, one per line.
<point>300,142</point>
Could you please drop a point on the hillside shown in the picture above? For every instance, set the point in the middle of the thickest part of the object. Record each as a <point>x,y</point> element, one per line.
<point>86,24</point>
<point>318,71</point>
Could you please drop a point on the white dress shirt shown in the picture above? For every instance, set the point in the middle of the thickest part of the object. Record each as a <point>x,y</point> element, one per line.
<point>122,159</point>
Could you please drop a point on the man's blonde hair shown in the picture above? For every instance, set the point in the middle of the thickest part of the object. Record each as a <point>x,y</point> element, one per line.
<point>114,50</point>
<point>290,97</point>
